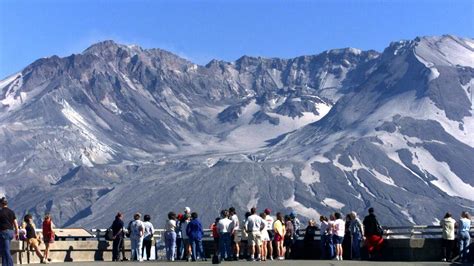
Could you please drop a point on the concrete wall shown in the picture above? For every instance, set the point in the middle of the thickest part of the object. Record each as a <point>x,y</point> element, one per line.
<point>93,250</point>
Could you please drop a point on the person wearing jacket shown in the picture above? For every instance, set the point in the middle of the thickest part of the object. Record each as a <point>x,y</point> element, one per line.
<point>357,232</point>
<point>194,232</point>
<point>447,227</point>
<point>373,234</point>
<point>464,226</point>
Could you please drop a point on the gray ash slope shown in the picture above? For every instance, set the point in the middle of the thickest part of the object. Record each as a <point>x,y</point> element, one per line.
<point>124,128</point>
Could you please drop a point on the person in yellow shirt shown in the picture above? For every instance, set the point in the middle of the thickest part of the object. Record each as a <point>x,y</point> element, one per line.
<point>279,229</point>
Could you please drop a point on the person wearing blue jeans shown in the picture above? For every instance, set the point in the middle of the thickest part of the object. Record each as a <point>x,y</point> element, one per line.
<point>8,224</point>
<point>225,228</point>
<point>357,231</point>
<point>170,236</point>
<point>464,237</point>
<point>194,232</point>
<point>224,246</point>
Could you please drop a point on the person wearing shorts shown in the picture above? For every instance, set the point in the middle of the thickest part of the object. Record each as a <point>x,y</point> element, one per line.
<point>339,227</point>
<point>265,238</point>
<point>279,229</point>
<point>271,235</point>
<point>253,225</point>
<point>48,235</point>
<point>234,237</point>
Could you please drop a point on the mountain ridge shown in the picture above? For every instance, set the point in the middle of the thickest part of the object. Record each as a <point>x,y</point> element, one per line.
<point>319,126</point>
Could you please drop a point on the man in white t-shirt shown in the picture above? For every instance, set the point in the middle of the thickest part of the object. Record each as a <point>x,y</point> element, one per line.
<point>339,227</point>
<point>269,220</point>
<point>225,228</point>
<point>253,226</point>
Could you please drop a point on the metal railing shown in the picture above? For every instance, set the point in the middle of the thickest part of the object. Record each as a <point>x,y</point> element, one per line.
<point>390,232</point>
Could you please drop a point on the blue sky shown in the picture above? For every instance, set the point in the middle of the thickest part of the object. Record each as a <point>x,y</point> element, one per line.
<point>203,30</point>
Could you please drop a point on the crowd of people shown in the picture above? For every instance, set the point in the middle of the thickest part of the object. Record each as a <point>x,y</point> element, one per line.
<point>261,236</point>
<point>258,237</point>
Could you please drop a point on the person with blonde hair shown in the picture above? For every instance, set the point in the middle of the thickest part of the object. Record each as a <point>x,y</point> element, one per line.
<point>32,238</point>
<point>464,237</point>
<point>279,229</point>
<point>48,235</point>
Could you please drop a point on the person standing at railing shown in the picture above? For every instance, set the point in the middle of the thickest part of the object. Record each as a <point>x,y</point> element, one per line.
<point>373,234</point>
<point>338,234</point>
<point>234,238</point>
<point>289,234</point>
<point>464,237</point>
<point>149,230</point>
<point>137,230</point>
<point>225,228</point>
<point>179,238</point>
<point>48,235</point>
<point>308,240</point>
<point>331,244</point>
<point>245,238</point>
<point>279,229</point>
<point>186,243</point>
<point>118,235</point>
<point>170,236</point>
<point>195,234</point>
<point>448,229</point>
<point>324,229</point>
<point>254,225</point>
<point>215,235</point>
<point>8,231</point>
<point>265,238</point>
<point>269,224</point>
<point>356,229</point>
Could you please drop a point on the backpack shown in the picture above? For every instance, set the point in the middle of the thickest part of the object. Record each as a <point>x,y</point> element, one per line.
<point>129,229</point>
<point>109,234</point>
<point>216,259</point>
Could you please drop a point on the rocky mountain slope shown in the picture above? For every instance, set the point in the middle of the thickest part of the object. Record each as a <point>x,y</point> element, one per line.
<point>124,128</point>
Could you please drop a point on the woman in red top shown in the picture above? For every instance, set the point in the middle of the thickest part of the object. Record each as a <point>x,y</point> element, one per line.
<point>48,235</point>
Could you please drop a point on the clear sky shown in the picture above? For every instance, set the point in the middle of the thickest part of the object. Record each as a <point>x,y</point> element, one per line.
<point>221,29</point>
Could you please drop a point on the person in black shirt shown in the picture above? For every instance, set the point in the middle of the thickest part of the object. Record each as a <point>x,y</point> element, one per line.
<point>118,238</point>
<point>309,242</point>
<point>373,234</point>
<point>8,229</point>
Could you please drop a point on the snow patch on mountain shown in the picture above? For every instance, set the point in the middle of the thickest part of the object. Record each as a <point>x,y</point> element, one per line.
<point>94,151</point>
<point>447,50</point>
<point>308,212</point>
<point>447,181</point>
<point>333,203</point>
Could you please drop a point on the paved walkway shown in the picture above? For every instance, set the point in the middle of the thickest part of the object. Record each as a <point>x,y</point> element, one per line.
<point>275,263</point>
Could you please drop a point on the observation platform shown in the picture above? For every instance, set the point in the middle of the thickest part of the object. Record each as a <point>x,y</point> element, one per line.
<point>403,245</point>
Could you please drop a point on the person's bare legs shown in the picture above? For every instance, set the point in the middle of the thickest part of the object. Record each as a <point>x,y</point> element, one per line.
<point>264,250</point>
<point>46,251</point>
<point>37,251</point>
<point>270,249</point>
